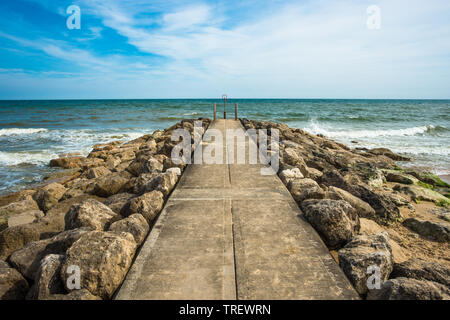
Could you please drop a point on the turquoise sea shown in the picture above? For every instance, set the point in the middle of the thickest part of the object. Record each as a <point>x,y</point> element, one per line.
<point>33,132</point>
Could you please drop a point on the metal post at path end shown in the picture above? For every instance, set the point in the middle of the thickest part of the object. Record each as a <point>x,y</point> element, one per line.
<point>224,97</point>
<point>235,111</point>
<point>215,111</point>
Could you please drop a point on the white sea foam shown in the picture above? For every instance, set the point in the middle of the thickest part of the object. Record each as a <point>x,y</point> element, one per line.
<point>316,128</point>
<point>20,131</point>
<point>80,141</point>
<point>16,158</point>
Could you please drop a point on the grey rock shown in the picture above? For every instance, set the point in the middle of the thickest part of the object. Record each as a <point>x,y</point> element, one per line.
<point>363,252</point>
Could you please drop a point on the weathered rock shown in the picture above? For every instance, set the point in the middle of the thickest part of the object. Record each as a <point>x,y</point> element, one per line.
<point>141,181</point>
<point>369,227</point>
<point>49,195</point>
<point>438,231</point>
<point>291,157</point>
<point>12,285</point>
<point>335,220</point>
<point>17,208</point>
<point>388,153</point>
<point>177,171</point>
<point>409,289</point>
<point>15,238</point>
<point>303,189</point>
<point>97,172</point>
<point>363,252</point>
<point>118,201</point>
<point>135,224</point>
<point>312,173</point>
<point>68,162</point>
<point>362,208</point>
<point>383,205</point>
<point>25,218</point>
<point>78,187</point>
<point>91,214</point>
<point>399,177</point>
<point>27,259</point>
<point>148,205</point>
<point>16,197</point>
<point>422,270</point>
<point>103,258</point>
<point>153,165</point>
<point>163,182</point>
<point>289,175</point>
<point>422,194</point>
<point>376,179</point>
<point>47,280</point>
<point>109,185</point>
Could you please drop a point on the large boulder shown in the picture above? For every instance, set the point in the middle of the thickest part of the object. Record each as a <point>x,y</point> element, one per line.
<point>388,153</point>
<point>148,205</point>
<point>335,220</point>
<point>410,289</point>
<point>291,157</point>
<point>399,177</point>
<point>438,231</point>
<point>363,252</point>
<point>109,185</point>
<point>153,165</point>
<point>303,189</point>
<point>141,181</point>
<point>47,279</point>
<point>370,227</point>
<point>362,208</point>
<point>16,208</point>
<point>91,214</point>
<point>97,172</point>
<point>422,270</point>
<point>103,258</point>
<point>13,286</point>
<point>25,218</point>
<point>163,182</point>
<point>384,207</point>
<point>289,175</point>
<point>27,259</point>
<point>118,201</point>
<point>135,224</point>
<point>15,238</point>
<point>49,195</point>
<point>419,193</point>
<point>67,162</point>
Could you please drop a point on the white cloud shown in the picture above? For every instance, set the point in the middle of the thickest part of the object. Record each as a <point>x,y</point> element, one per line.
<point>300,49</point>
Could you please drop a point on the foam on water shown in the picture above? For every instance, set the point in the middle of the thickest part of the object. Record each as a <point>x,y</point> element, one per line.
<point>315,128</point>
<point>19,131</point>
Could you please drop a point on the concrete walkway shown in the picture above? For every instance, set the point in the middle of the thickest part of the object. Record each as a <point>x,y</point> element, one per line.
<point>228,232</point>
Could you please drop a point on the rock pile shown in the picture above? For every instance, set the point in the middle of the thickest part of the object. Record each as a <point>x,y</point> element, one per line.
<point>92,217</point>
<point>347,196</point>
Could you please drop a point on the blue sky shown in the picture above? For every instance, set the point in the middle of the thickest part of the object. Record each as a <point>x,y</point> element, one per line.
<point>246,48</point>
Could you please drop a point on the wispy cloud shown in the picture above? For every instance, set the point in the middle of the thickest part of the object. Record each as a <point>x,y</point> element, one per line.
<point>267,49</point>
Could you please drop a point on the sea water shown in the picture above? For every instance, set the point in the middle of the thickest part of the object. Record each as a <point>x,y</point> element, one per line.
<point>33,132</point>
